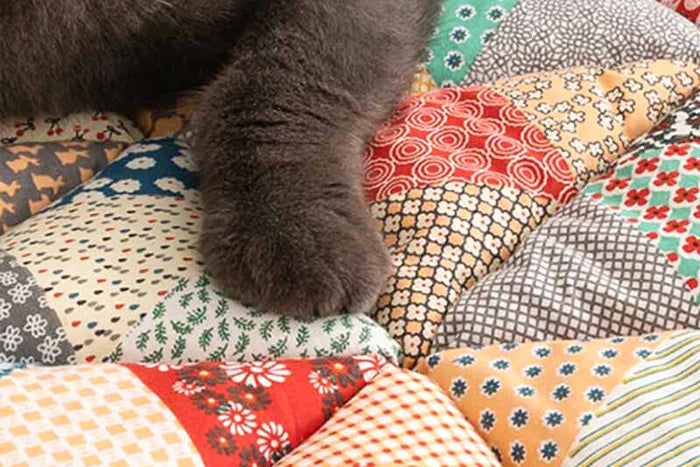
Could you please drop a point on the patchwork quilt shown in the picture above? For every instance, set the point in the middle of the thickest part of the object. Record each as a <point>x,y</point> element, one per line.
<point>539,191</point>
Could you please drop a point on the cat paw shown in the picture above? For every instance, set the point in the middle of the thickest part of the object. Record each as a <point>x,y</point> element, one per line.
<point>299,259</point>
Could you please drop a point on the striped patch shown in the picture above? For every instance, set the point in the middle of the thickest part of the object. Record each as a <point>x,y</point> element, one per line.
<point>653,416</point>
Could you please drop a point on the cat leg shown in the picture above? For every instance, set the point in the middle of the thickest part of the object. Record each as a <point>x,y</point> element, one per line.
<point>280,136</point>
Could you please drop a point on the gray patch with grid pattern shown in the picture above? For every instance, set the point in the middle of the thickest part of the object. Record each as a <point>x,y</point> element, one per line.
<point>585,273</point>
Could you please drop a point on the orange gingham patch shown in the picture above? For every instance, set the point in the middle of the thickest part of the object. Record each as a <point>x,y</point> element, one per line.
<point>400,418</point>
<point>87,415</point>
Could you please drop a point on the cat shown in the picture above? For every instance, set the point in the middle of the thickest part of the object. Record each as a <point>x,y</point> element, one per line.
<point>289,93</point>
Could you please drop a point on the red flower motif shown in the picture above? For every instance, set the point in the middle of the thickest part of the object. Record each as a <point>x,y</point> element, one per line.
<point>693,163</point>
<point>677,226</point>
<point>692,245</point>
<point>677,150</point>
<point>647,165</point>
<point>617,184</point>
<point>696,214</point>
<point>637,197</point>
<point>652,235</point>
<point>654,212</point>
<point>672,257</point>
<point>666,178</point>
<point>692,283</point>
<point>685,195</point>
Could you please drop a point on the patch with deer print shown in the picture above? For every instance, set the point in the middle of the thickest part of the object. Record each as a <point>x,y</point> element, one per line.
<point>33,175</point>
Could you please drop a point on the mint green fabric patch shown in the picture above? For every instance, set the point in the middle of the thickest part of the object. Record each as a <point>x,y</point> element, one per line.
<point>463,30</point>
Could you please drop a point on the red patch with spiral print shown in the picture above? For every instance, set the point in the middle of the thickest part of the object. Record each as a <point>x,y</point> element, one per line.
<point>468,134</point>
<point>255,413</point>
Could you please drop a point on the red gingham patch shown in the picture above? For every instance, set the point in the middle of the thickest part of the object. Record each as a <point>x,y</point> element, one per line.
<point>399,418</point>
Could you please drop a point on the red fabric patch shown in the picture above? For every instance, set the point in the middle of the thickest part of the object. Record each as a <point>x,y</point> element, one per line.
<point>254,413</point>
<point>688,8</point>
<point>469,134</point>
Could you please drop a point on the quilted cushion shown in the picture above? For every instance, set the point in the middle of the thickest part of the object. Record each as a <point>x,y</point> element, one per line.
<point>529,401</point>
<point>622,258</point>
<point>461,176</point>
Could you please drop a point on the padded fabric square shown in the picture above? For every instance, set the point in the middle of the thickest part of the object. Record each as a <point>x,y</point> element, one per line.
<point>255,413</point>
<point>464,28</point>
<point>196,322</point>
<point>84,126</point>
<point>653,416</point>
<point>657,190</point>
<point>545,35</point>
<point>688,8</point>
<point>443,239</point>
<point>30,331</point>
<point>529,401</point>
<point>34,175</point>
<point>593,114</point>
<point>88,415</point>
<point>400,418</point>
<point>468,134</point>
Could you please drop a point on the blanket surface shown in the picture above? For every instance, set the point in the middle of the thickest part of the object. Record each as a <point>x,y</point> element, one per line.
<point>539,192</point>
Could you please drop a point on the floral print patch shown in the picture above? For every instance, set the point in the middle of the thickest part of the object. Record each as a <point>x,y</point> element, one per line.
<point>658,191</point>
<point>30,331</point>
<point>528,401</point>
<point>161,167</point>
<point>592,114</point>
<point>442,240</point>
<point>464,28</point>
<point>255,413</point>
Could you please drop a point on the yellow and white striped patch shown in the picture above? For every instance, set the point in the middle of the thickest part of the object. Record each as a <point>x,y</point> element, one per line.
<point>653,416</point>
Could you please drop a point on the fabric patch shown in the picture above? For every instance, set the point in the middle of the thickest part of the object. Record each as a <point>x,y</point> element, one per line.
<point>422,82</point>
<point>584,273</point>
<point>166,121</point>
<point>255,413</point>
<point>34,175</point>
<point>87,415</point>
<point>658,191</point>
<point>195,322</point>
<point>528,401</point>
<point>464,135</point>
<point>400,418</point>
<point>544,35</point>
<point>464,28</point>
<point>30,331</point>
<point>653,416</point>
<point>442,239</point>
<point>162,167</point>
<point>592,114</point>
<point>688,8</point>
<point>84,126</point>
<point>104,262</point>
